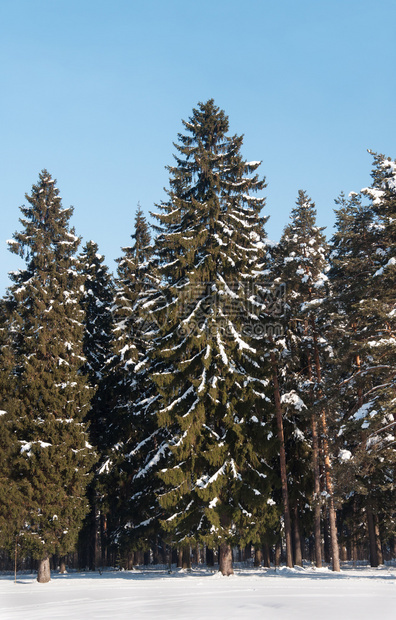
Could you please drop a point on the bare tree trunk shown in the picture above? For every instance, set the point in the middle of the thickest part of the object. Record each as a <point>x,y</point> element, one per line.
<point>156,554</point>
<point>16,558</point>
<point>247,553</point>
<point>146,557</point>
<point>354,551</point>
<point>186,557</point>
<point>316,470</point>
<point>95,534</point>
<point>326,454</point>
<point>103,538</point>
<point>258,556</point>
<point>199,553</point>
<point>282,460</point>
<point>297,539</point>
<point>62,564</point>
<point>44,573</point>
<point>278,553</point>
<point>267,555</point>
<point>332,512</point>
<point>378,540</point>
<point>209,557</point>
<point>225,560</point>
<point>372,542</point>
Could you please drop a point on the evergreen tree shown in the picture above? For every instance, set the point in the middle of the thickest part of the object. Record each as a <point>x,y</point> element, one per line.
<point>51,398</point>
<point>211,379</point>
<point>96,303</point>
<point>13,493</point>
<point>363,273</point>
<point>301,264</point>
<point>135,437</point>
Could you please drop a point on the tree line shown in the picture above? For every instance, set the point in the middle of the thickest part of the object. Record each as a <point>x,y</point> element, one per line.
<point>220,392</point>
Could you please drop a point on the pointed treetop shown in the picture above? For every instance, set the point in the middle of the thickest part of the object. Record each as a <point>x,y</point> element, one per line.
<point>141,235</point>
<point>208,123</point>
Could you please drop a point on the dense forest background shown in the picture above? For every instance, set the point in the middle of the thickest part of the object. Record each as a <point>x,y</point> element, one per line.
<point>220,393</point>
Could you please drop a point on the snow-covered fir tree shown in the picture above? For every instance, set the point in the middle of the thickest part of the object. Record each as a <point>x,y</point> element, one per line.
<point>51,397</point>
<point>300,265</point>
<point>96,302</point>
<point>363,277</point>
<point>13,492</point>
<point>135,446</point>
<point>211,379</point>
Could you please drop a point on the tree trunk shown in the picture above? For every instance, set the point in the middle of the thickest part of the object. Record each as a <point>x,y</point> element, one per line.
<point>297,539</point>
<point>332,512</point>
<point>209,557</point>
<point>146,558</point>
<point>44,573</point>
<point>278,553</point>
<point>186,557</point>
<point>326,454</point>
<point>16,558</point>
<point>354,551</point>
<point>372,541</point>
<point>103,538</point>
<point>247,553</point>
<point>62,564</point>
<point>267,555</point>
<point>194,552</point>
<point>225,560</point>
<point>156,552</point>
<point>95,535</point>
<point>282,461</point>
<point>258,556</point>
<point>316,470</point>
<point>378,540</point>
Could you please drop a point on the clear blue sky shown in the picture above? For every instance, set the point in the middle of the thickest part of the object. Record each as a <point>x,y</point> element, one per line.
<point>95,90</point>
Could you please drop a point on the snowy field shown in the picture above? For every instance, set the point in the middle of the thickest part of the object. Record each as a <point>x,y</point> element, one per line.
<point>355,594</point>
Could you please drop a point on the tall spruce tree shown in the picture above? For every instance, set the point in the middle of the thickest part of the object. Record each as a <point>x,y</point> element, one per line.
<point>363,277</point>
<point>301,264</point>
<point>136,439</point>
<point>13,492</point>
<point>381,346</point>
<point>211,379</point>
<point>349,275</point>
<point>51,397</point>
<point>96,302</point>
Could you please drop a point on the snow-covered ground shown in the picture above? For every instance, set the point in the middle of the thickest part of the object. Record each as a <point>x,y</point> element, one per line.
<point>288,594</point>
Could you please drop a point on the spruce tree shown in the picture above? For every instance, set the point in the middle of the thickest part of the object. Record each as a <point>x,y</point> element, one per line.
<point>301,264</point>
<point>96,302</point>
<point>211,379</point>
<point>51,398</point>
<point>135,439</point>
<point>363,274</point>
<point>13,492</point>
